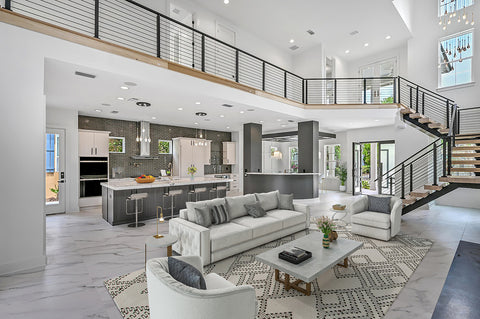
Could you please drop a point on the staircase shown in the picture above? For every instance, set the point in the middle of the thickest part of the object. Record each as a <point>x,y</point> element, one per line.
<point>450,162</point>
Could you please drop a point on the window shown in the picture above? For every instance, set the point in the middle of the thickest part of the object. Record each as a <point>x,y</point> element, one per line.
<point>451,6</point>
<point>164,147</point>
<point>116,145</point>
<point>332,159</point>
<point>455,59</point>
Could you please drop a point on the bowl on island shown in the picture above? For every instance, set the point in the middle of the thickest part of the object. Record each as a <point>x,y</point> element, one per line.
<point>145,179</point>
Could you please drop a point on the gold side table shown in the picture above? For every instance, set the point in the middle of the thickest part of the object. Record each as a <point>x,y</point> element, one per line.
<point>163,242</point>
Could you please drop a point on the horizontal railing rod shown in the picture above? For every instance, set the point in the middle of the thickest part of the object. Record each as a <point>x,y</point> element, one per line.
<point>427,90</point>
<point>347,78</point>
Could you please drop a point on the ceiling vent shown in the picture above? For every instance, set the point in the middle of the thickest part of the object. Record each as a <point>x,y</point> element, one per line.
<point>133,99</point>
<point>311,32</point>
<point>227,105</point>
<point>143,104</point>
<point>90,76</point>
<point>294,47</point>
<point>176,11</point>
<point>114,112</point>
<point>354,32</point>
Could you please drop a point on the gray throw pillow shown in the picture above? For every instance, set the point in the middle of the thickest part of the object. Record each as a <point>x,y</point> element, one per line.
<point>379,204</point>
<point>285,201</point>
<point>255,210</point>
<point>205,203</point>
<point>219,214</point>
<point>186,273</point>
<point>236,205</point>
<point>203,216</point>
<point>268,201</point>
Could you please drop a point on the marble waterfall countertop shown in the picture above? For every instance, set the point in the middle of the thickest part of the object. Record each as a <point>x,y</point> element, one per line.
<point>295,174</point>
<point>130,183</point>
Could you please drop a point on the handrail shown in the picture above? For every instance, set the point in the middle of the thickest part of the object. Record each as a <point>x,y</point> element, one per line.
<point>410,157</point>
<point>350,78</point>
<point>438,97</point>
<point>430,91</point>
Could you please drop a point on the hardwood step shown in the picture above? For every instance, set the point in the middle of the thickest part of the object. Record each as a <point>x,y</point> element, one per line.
<point>444,130</point>
<point>465,169</point>
<point>424,120</point>
<point>415,116</point>
<point>419,194</point>
<point>407,111</point>
<point>476,155</point>
<point>466,162</point>
<point>466,136</point>
<point>434,187</point>
<point>461,179</point>
<point>467,142</point>
<point>435,125</point>
<point>409,200</point>
<point>466,148</point>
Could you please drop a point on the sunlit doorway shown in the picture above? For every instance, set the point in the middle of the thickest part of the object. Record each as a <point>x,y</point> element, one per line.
<point>55,171</point>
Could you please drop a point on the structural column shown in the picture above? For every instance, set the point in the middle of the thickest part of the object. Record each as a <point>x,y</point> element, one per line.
<point>308,147</point>
<point>252,147</point>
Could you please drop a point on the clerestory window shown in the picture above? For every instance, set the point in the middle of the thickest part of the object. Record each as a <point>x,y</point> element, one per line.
<point>455,55</point>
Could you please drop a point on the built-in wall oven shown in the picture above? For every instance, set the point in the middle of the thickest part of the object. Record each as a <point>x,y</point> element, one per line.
<point>93,171</point>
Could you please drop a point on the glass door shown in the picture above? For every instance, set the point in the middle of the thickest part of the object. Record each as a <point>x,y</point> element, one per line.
<point>55,171</point>
<point>379,91</point>
<point>357,169</point>
<point>386,161</point>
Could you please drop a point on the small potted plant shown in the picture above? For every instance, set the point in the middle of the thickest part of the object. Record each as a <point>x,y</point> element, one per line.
<point>341,173</point>
<point>192,170</point>
<point>326,226</point>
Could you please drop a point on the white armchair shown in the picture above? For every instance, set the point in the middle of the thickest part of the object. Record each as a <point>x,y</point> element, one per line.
<point>168,298</point>
<point>373,224</point>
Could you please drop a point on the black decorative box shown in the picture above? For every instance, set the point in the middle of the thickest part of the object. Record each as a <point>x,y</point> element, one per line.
<point>293,259</point>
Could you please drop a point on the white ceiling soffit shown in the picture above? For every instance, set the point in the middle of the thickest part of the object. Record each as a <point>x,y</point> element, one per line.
<point>169,91</point>
<point>332,21</point>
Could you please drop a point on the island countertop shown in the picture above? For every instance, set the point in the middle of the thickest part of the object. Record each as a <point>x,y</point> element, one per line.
<point>130,183</point>
<point>283,174</point>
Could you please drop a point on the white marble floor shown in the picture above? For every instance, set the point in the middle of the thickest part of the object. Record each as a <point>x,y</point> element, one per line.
<point>83,251</point>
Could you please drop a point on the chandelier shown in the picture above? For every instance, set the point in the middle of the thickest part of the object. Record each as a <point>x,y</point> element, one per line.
<point>455,10</point>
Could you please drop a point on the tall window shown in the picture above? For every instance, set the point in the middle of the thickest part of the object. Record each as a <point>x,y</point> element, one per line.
<point>332,159</point>
<point>455,59</point>
<point>450,6</point>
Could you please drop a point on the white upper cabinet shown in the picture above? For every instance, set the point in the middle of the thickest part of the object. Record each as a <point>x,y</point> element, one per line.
<point>93,143</point>
<point>188,152</point>
<point>229,153</point>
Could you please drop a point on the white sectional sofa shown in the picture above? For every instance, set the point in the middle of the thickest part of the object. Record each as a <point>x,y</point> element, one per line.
<point>243,232</point>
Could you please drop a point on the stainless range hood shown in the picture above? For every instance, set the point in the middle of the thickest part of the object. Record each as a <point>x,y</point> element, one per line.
<point>143,138</point>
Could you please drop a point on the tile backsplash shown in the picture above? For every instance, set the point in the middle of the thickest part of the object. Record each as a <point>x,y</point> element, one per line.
<point>125,166</point>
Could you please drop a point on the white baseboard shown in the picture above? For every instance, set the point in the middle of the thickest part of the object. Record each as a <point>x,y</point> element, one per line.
<point>23,266</point>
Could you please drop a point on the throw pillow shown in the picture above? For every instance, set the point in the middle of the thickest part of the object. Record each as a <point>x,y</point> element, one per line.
<point>205,203</point>
<point>255,210</point>
<point>186,273</point>
<point>285,201</point>
<point>220,214</point>
<point>203,216</point>
<point>379,204</point>
<point>235,205</point>
<point>268,201</point>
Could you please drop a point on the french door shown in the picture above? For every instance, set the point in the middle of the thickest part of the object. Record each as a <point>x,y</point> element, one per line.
<point>55,171</point>
<point>357,169</point>
<point>379,91</point>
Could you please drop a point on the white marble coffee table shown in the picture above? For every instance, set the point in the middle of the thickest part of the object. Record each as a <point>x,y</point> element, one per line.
<point>307,271</point>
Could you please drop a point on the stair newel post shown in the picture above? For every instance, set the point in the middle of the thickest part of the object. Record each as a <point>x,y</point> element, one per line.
<point>416,100</point>
<point>434,164</point>
<point>8,5</point>
<point>448,113</point>
<point>411,97</point>
<point>395,99</point>
<point>449,166</point>
<point>364,91</point>
<point>444,154</point>
<point>398,90</point>
<point>411,177</point>
<point>423,103</point>
<point>403,181</point>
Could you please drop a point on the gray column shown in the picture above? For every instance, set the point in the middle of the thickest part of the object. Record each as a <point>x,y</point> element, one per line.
<point>252,147</point>
<point>308,147</point>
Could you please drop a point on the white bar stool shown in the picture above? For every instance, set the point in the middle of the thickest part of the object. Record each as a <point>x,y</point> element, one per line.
<point>172,194</point>
<point>197,191</point>
<point>135,197</point>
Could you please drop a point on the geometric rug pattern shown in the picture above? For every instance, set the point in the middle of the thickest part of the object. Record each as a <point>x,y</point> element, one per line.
<point>366,289</point>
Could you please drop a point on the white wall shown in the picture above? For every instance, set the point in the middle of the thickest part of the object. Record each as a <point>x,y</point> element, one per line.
<point>68,120</point>
<point>310,63</point>
<point>461,197</point>
<point>400,53</point>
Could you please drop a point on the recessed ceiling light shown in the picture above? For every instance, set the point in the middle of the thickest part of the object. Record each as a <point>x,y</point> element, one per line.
<point>180,109</point>
<point>198,103</point>
<point>347,51</point>
<point>228,127</point>
<point>144,104</point>
<point>201,114</point>
<point>195,123</point>
<point>377,120</point>
<point>388,37</point>
<point>130,83</point>
<point>283,125</point>
<point>261,121</point>
<point>292,40</point>
<point>124,87</point>
<point>241,112</point>
<point>279,120</point>
<point>365,45</point>
<point>154,118</point>
<point>222,115</point>
<point>97,110</point>
<point>120,98</point>
<point>226,1</point>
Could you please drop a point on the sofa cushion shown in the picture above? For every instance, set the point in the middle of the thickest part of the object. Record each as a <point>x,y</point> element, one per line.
<point>215,281</point>
<point>288,217</point>
<point>255,210</point>
<point>379,204</point>
<point>259,226</point>
<point>186,273</point>
<point>192,205</point>
<point>236,205</point>
<point>268,201</point>
<point>372,219</point>
<point>227,235</point>
<point>203,217</point>
<point>285,201</point>
<point>219,214</point>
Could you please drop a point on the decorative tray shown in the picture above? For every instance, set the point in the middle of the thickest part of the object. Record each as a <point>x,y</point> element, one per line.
<point>294,260</point>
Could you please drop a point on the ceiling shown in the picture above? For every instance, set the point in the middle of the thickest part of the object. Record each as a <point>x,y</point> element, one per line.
<point>278,21</point>
<point>166,91</point>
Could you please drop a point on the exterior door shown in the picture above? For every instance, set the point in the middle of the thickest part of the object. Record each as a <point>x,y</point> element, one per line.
<point>379,91</point>
<point>55,171</point>
<point>385,162</point>
<point>357,169</point>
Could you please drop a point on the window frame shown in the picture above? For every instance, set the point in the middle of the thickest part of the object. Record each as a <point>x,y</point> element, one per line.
<point>441,13</point>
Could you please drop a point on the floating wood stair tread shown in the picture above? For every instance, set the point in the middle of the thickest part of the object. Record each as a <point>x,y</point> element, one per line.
<point>466,148</point>
<point>435,125</point>
<point>415,116</point>
<point>444,130</point>
<point>467,142</point>
<point>465,169</point>
<point>466,136</point>
<point>434,187</point>
<point>409,200</point>
<point>466,155</point>
<point>407,111</point>
<point>461,179</point>
<point>466,162</point>
<point>419,194</point>
<point>424,120</point>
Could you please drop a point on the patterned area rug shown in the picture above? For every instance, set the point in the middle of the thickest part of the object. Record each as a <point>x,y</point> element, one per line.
<point>366,289</point>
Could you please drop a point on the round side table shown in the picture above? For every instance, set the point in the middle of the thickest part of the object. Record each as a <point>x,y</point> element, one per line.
<point>164,242</point>
<point>340,219</point>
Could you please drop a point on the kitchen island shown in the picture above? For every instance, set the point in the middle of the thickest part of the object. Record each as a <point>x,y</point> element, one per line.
<point>116,191</point>
<point>301,185</point>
